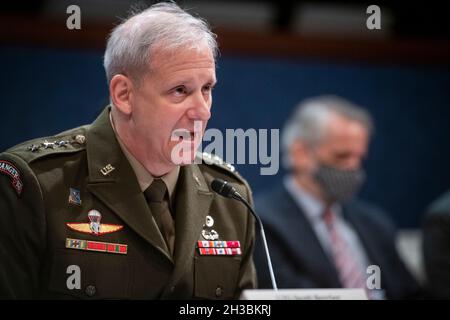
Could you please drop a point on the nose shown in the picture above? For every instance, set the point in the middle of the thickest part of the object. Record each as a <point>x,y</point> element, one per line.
<point>201,108</point>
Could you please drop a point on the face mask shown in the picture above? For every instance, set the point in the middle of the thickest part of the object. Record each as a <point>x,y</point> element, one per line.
<point>339,185</point>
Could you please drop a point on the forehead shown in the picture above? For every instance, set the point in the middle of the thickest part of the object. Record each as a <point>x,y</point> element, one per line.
<point>181,60</point>
<point>341,132</point>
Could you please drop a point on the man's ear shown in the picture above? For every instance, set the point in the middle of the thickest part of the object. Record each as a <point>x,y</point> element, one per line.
<point>120,90</point>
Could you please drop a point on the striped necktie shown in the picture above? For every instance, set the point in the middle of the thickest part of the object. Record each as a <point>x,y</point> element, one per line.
<point>349,270</point>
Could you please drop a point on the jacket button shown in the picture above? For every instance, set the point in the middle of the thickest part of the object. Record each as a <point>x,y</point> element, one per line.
<point>80,139</point>
<point>90,290</point>
<point>219,291</point>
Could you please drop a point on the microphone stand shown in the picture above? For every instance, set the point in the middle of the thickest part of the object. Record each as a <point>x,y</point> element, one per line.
<point>235,195</point>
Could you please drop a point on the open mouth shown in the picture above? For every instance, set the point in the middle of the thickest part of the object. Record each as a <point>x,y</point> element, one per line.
<point>183,135</point>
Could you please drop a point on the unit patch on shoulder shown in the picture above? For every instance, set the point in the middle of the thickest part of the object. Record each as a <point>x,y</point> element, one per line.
<point>9,169</point>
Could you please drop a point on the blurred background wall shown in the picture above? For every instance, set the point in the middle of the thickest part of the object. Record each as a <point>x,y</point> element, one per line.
<point>273,55</point>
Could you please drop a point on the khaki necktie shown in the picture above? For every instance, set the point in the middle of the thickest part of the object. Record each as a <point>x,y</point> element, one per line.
<point>158,201</point>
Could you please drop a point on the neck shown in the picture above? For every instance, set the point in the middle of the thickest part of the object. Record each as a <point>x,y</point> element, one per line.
<point>156,167</point>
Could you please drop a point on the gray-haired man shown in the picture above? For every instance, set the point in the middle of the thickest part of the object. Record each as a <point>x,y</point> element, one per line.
<point>319,236</point>
<point>109,210</point>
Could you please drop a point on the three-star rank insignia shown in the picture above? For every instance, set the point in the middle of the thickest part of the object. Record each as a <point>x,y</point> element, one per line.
<point>94,226</point>
<point>79,139</point>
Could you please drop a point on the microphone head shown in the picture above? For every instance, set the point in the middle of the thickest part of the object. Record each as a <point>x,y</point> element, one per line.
<point>223,188</point>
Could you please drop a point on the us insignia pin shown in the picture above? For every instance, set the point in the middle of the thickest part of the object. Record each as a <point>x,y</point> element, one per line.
<point>94,226</point>
<point>107,169</point>
<point>74,196</point>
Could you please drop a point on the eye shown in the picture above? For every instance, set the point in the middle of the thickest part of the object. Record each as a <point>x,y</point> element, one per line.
<point>208,88</point>
<point>178,91</point>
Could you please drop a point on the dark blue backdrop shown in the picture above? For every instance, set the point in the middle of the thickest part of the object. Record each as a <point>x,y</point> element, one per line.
<point>46,91</point>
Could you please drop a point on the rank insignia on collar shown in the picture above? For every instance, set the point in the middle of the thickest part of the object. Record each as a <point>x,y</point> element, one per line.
<point>74,196</point>
<point>94,227</point>
<point>96,246</point>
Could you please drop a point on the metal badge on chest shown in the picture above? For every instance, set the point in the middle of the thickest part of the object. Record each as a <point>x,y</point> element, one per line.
<point>214,247</point>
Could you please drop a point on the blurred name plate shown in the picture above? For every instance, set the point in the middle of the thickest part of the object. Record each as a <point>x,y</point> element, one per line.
<point>304,294</point>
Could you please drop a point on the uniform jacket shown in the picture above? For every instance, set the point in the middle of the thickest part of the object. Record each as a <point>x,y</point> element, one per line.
<point>299,261</point>
<point>38,257</point>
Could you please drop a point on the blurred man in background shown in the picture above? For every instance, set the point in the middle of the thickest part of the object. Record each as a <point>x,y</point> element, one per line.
<point>436,247</point>
<point>319,236</point>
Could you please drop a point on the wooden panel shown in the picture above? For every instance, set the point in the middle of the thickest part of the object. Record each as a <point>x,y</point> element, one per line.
<point>29,30</point>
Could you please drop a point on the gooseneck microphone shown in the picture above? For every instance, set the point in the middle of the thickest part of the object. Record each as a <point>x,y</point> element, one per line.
<point>227,190</point>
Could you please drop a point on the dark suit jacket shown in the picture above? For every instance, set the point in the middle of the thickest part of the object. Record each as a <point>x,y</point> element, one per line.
<point>299,261</point>
<point>436,247</point>
<point>36,258</point>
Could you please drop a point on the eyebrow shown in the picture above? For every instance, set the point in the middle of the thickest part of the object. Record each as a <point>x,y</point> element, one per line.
<point>189,81</point>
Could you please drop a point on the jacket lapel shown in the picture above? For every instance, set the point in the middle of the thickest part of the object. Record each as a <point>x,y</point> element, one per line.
<point>193,200</point>
<point>117,186</point>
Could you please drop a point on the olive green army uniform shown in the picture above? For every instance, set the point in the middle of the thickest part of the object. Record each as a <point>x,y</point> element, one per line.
<point>49,184</point>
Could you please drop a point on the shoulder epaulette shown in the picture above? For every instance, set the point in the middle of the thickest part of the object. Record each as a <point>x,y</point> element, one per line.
<point>215,160</point>
<point>65,142</point>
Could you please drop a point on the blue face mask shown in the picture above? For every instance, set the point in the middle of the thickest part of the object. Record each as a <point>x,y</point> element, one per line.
<point>339,185</point>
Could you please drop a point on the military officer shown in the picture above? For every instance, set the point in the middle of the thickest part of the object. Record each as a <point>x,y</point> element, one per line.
<point>109,210</point>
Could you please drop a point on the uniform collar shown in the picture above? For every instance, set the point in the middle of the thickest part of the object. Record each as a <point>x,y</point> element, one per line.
<point>144,177</point>
<point>113,181</point>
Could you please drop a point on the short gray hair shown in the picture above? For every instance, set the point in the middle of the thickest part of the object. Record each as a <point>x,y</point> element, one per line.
<point>309,117</point>
<point>163,25</point>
